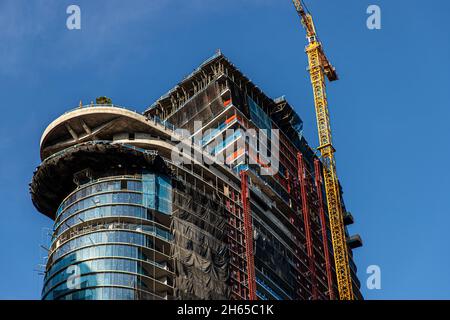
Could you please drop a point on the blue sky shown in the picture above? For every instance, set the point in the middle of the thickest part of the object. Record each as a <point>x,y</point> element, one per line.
<point>390,110</point>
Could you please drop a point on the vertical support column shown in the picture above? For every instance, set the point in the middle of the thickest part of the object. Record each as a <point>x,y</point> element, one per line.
<point>236,249</point>
<point>306,219</point>
<point>248,233</point>
<point>323,223</point>
<point>288,178</point>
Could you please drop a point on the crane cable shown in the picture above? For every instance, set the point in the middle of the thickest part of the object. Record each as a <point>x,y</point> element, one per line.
<point>309,13</point>
<point>305,6</point>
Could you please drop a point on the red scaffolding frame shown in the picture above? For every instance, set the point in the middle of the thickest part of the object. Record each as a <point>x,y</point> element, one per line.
<point>240,241</point>
<point>318,178</point>
<point>307,222</point>
<point>248,232</point>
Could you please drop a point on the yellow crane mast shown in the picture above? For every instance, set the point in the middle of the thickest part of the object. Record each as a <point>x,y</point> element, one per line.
<point>319,67</point>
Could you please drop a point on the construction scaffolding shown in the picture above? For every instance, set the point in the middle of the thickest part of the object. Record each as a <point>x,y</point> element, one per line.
<point>227,231</point>
<point>292,260</point>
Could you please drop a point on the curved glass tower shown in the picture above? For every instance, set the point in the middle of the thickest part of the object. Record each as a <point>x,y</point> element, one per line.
<point>110,241</point>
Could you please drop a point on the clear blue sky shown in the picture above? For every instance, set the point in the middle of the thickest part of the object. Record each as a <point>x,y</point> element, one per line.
<point>390,110</point>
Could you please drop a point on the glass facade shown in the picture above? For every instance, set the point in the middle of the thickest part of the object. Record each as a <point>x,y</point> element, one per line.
<point>109,241</point>
<point>259,117</point>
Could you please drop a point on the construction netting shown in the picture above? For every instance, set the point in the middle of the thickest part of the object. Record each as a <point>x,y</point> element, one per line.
<point>199,248</point>
<point>53,179</point>
<point>202,107</point>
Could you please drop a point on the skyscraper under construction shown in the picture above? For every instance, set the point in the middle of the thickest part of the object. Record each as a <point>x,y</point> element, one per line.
<point>133,222</point>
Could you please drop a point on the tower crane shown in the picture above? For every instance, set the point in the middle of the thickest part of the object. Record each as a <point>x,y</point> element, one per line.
<point>319,67</point>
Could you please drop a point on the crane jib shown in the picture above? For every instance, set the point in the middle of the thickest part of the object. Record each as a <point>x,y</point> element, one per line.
<point>319,68</point>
